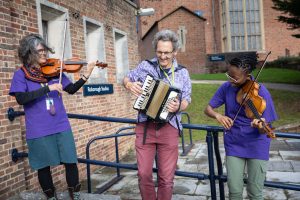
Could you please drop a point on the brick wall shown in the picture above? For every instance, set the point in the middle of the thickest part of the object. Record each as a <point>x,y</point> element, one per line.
<point>277,37</point>
<point>163,7</point>
<point>194,56</point>
<point>17,19</point>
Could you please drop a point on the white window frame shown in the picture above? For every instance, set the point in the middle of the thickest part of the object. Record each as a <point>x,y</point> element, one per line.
<point>122,68</point>
<point>95,50</point>
<point>56,23</point>
<point>244,36</point>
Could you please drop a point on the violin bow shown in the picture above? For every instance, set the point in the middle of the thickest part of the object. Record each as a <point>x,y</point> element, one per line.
<point>63,52</point>
<point>256,77</point>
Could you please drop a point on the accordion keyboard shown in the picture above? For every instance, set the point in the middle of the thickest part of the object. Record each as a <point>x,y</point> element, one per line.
<point>154,99</point>
<point>164,114</point>
<point>147,88</point>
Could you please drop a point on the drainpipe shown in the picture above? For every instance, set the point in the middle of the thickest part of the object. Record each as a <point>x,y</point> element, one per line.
<point>214,25</point>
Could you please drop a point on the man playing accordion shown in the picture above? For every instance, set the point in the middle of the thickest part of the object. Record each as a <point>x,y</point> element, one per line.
<point>161,137</point>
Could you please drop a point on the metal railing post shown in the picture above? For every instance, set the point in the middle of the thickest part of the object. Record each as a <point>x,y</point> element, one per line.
<point>210,152</point>
<point>219,164</point>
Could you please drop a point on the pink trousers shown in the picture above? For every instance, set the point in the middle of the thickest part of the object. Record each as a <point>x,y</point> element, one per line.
<point>164,142</point>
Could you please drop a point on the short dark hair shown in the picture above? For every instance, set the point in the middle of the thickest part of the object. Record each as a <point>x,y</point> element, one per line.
<point>247,62</point>
<point>27,49</point>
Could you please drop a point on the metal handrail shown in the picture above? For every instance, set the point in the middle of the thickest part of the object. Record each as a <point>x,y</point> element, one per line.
<point>211,137</point>
<point>87,150</point>
<point>186,149</point>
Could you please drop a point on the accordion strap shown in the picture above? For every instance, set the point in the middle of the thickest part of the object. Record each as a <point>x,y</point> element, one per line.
<point>145,131</point>
<point>158,125</point>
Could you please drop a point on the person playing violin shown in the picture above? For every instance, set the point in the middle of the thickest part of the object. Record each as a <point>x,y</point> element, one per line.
<point>48,132</point>
<point>244,141</point>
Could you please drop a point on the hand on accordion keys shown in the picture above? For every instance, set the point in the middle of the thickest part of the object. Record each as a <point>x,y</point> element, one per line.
<point>135,88</point>
<point>173,106</point>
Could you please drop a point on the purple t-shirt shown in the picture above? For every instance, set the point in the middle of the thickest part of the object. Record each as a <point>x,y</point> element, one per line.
<point>39,122</point>
<point>242,140</point>
<point>181,81</point>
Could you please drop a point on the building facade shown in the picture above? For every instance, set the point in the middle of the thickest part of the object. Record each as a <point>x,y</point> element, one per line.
<point>231,26</point>
<point>96,30</point>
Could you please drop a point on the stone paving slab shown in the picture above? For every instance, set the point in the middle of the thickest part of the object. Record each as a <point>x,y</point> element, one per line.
<point>285,166</point>
<point>295,166</point>
<point>285,177</point>
<point>290,155</point>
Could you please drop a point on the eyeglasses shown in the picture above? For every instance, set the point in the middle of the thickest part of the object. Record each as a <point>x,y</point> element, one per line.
<point>42,51</point>
<point>166,53</point>
<point>231,78</point>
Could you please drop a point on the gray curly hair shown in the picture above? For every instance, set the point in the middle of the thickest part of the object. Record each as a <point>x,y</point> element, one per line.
<point>27,52</point>
<point>166,35</point>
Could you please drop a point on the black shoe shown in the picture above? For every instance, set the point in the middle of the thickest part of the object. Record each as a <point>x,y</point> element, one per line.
<point>50,194</point>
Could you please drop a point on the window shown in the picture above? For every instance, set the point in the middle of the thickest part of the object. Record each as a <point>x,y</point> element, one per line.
<point>182,37</point>
<point>95,50</point>
<point>241,25</point>
<point>121,54</point>
<point>52,22</point>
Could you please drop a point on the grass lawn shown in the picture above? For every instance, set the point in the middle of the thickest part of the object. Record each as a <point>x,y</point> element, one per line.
<point>286,105</point>
<point>268,75</point>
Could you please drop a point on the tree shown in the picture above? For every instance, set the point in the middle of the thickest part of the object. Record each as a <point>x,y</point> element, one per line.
<point>291,13</point>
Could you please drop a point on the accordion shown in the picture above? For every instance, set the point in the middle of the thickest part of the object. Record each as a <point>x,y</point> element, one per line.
<point>154,99</point>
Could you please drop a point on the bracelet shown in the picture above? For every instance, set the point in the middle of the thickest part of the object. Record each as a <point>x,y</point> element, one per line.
<point>86,78</point>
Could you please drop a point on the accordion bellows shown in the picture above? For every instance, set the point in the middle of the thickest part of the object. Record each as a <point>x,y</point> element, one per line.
<point>154,99</point>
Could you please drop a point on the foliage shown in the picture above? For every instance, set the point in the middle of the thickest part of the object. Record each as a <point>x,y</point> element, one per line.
<point>291,11</point>
<point>291,62</point>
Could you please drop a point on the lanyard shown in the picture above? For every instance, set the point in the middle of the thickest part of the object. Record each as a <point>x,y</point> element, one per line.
<point>42,84</point>
<point>167,76</point>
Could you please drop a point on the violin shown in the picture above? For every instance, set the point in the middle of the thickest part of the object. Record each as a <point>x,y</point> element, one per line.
<point>254,104</point>
<point>52,67</point>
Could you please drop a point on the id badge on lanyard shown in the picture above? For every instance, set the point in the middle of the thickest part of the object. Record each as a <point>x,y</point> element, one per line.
<point>49,103</point>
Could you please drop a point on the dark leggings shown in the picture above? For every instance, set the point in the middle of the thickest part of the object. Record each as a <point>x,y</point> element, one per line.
<point>45,178</point>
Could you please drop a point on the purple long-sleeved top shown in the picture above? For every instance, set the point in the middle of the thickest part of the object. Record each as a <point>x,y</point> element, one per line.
<point>181,81</point>
<point>242,140</point>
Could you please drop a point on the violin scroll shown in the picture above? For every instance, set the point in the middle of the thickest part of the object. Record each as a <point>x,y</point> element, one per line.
<point>101,64</point>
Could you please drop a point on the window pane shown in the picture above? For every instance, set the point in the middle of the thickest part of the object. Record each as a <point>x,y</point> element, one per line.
<point>240,26</point>
<point>253,24</point>
<point>233,43</point>
<point>242,42</point>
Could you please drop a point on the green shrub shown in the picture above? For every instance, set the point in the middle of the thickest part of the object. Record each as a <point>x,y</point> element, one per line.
<point>292,62</point>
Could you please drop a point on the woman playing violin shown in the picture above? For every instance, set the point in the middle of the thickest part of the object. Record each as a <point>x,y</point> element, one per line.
<point>48,132</point>
<point>245,143</point>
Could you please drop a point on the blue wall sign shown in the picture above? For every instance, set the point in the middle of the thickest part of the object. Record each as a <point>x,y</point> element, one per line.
<point>97,89</point>
<point>216,58</point>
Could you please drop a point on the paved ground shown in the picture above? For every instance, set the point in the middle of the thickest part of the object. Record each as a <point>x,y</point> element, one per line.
<point>288,87</point>
<point>284,166</point>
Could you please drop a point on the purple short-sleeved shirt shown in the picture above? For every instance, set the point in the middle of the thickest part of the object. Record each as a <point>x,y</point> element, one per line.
<point>39,121</point>
<point>182,81</point>
<point>242,140</point>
